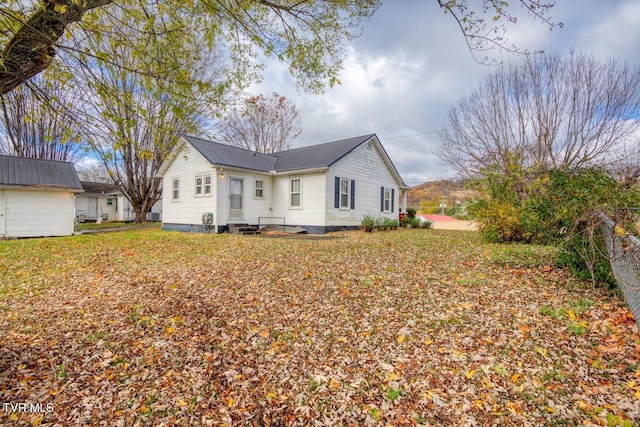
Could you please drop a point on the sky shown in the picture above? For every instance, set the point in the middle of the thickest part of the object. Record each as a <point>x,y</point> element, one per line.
<point>411,65</point>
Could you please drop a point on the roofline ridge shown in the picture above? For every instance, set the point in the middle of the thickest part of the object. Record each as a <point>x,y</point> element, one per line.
<point>367,136</point>
<point>229,145</point>
<point>36,158</point>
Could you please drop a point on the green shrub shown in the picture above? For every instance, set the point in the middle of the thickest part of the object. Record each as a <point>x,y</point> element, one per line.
<point>414,222</point>
<point>425,223</point>
<point>411,213</point>
<point>553,207</point>
<point>368,223</point>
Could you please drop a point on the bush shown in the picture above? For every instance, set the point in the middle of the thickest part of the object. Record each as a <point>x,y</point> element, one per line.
<point>425,223</point>
<point>553,207</point>
<point>414,222</point>
<point>368,223</point>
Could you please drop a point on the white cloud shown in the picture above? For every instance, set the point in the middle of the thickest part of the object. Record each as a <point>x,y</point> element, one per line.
<point>411,65</point>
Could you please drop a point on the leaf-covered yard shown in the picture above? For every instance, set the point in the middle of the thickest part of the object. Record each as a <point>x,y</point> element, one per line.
<point>412,327</point>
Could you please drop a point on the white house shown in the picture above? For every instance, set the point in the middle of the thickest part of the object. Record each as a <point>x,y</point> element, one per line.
<point>37,197</point>
<point>325,187</point>
<point>106,201</point>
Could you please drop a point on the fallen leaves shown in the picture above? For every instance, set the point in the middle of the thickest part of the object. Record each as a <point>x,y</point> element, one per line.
<point>415,327</point>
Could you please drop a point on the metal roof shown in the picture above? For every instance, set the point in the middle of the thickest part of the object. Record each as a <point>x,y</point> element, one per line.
<point>38,173</point>
<point>101,188</point>
<point>226,155</point>
<point>313,156</point>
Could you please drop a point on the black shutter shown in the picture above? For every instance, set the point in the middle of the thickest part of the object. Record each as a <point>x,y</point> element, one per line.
<point>353,194</point>
<point>337,193</point>
<point>381,199</point>
<point>393,198</point>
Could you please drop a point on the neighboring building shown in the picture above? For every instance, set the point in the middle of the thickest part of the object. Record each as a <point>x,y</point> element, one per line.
<point>326,187</point>
<point>37,197</point>
<point>106,201</point>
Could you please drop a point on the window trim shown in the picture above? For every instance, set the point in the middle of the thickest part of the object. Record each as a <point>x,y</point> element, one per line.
<point>203,189</point>
<point>175,189</point>
<point>299,193</point>
<point>345,196</point>
<point>208,187</point>
<point>387,200</point>
<point>256,188</point>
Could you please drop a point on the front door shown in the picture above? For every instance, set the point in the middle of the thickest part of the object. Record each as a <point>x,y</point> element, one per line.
<point>92,207</point>
<point>235,198</point>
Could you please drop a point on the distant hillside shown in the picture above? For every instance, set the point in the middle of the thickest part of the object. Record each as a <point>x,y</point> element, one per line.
<point>426,197</point>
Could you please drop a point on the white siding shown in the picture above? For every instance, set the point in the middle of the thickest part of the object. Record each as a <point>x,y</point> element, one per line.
<point>313,189</point>
<point>96,206</point>
<point>2,214</point>
<point>369,171</point>
<point>38,213</point>
<point>252,208</point>
<point>189,208</point>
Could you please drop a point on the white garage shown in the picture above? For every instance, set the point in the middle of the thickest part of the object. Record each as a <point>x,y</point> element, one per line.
<point>37,197</point>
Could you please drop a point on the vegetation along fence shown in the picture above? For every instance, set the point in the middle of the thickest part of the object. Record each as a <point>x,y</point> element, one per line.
<point>624,256</point>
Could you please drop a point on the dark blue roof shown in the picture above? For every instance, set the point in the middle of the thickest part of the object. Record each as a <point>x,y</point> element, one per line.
<point>38,173</point>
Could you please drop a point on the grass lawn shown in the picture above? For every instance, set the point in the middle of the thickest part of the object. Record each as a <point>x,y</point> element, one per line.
<point>402,328</point>
<point>115,224</point>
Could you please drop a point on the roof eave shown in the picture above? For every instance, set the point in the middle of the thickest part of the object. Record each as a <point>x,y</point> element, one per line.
<point>41,187</point>
<point>300,171</point>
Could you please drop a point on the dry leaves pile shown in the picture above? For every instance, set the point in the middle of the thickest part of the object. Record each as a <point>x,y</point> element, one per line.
<point>414,327</point>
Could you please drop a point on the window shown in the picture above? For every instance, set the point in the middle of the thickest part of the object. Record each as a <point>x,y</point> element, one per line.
<point>386,199</point>
<point>199,185</point>
<point>344,194</point>
<point>207,184</point>
<point>203,185</point>
<point>258,189</point>
<point>295,200</point>
<point>175,187</point>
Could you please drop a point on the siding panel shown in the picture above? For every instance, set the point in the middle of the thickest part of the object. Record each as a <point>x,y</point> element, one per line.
<point>39,213</point>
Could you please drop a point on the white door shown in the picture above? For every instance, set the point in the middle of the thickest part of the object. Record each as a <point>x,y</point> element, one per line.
<point>3,214</point>
<point>235,198</point>
<point>92,207</point>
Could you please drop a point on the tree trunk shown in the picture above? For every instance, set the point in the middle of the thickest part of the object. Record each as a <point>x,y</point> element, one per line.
<point>32,48</point>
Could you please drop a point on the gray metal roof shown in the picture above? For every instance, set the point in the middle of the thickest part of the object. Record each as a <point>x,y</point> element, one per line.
<point>100,188</point>
<point>226,155</point>
<point>321,155</point>
<point>37,173</point>
<point>313,156</point>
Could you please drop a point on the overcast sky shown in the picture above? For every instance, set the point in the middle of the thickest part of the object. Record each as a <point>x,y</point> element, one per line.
<point>411,65</point>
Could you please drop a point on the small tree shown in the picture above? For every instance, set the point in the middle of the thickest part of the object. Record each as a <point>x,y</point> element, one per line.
<point>263,124</point>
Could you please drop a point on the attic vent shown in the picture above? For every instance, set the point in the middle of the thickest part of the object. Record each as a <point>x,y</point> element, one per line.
<point>370,145</point>
<point>186,149</point>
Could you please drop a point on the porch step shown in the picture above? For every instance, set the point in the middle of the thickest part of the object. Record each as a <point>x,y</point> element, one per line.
<point>286,229</point>
<point>243,229</point>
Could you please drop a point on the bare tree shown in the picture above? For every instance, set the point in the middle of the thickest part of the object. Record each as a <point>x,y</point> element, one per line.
<point>38,121</point>
<point>263,124</point>
<point>133,123</point>
<point>546,112</point>
<point>624,162</point>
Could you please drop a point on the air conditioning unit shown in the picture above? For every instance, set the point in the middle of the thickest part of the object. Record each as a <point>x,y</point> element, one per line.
<point>207,220</point>
<point>153,216</point>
